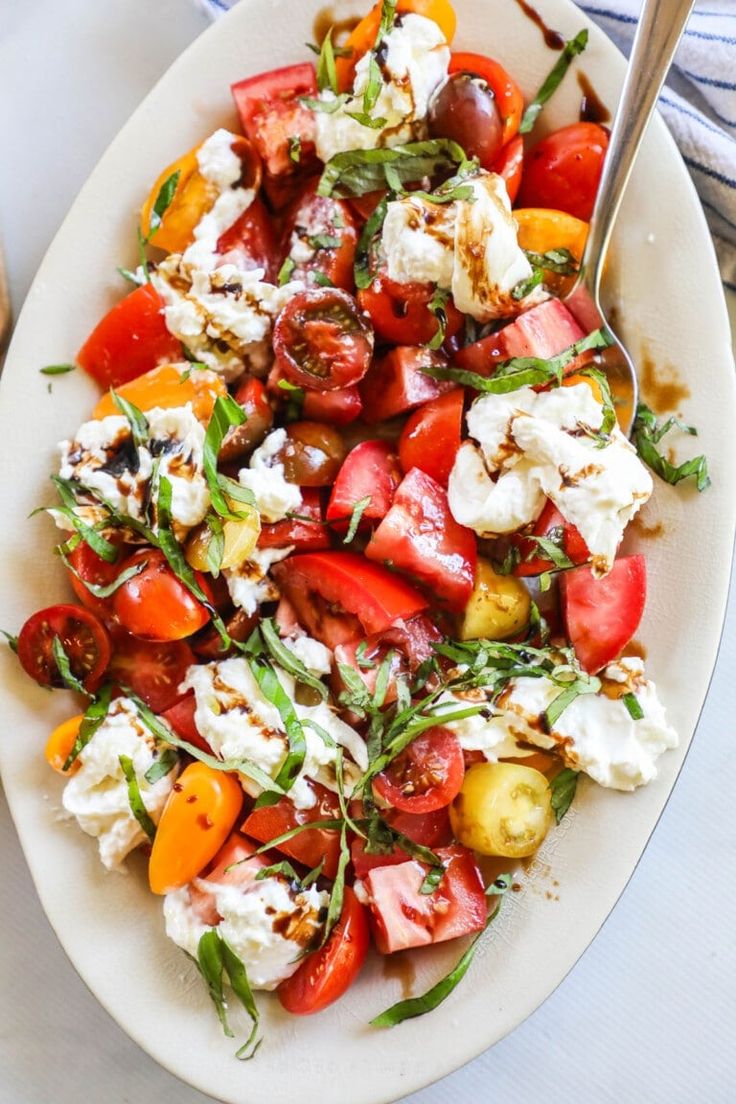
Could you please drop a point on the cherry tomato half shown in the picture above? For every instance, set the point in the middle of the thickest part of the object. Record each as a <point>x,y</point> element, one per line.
<point>322,341</point>
<point>130,340</point>
<point>465,110</point>
<point>508,96</point>
<point>152,669</point>
<point>425,777</point>
<point>91,568</point>
<point>242,439</point>
<point>169,386</point>
<point>327,974</point>
<point>154,605</point>
<point>82,636</point>
<point>400,312</point>
<point>564,169</point>
<point>602,615</point>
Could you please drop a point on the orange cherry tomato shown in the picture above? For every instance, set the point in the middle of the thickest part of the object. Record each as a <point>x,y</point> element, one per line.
<point>361,39</point>
<point>542,229</point>
<point>154,605</point>
<point>193,197</point>
<point>168,386</point>
<point>508,95</point>
<point>60,743</point>
<point>197,819</point>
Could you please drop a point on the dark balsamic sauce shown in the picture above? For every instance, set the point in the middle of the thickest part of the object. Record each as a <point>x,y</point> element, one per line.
<point>553,39</point>
<point>592,108</point>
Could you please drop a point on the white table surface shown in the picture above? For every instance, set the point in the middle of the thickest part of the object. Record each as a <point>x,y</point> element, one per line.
<point>648,1013</point>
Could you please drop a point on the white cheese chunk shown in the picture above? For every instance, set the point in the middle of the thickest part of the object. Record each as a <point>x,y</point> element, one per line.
<point>267,923</point>
<point>97,794</point>
<point>250,584</point>
<point>222,169</point>
<point>238,722</point>
<point>414,57</point>
<point>315,656</point>
<point>265,477</point>
<point>538,445</point>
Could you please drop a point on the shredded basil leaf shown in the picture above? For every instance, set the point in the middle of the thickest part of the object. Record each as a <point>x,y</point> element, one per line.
<point>283,869</point>
<point>225,414</point>
<point>65,669</point>
<point>135,417</point>
<point>326,70</point>
<point>647,433</point>
<point>563,786</point>
<point>164,765</point>
<point>356,172</point>
<point>286,270</point>
<point>633,705</point>
<point>358,510</point>
<point>94,715</point>
<point>369,233</point>
<point>321,279</point>
<point>337,897</point>
<point>338,51</point>
<point>209,961</point>
<point>57,369</point>
<point>98,589</point>
<point>162,204</point>
<point>360,657</point>
<point>272,690</point>
<point>571,49</point>
<point>328,107</point>
<point>238,977</point>
<point>137,808</point>
<point>325,241</point>
<point>583,684</point>
<point>104,548</point>
<point>552,548</point>
<point>438,306</point>
<point>285,658</point>
<point>11,640</point>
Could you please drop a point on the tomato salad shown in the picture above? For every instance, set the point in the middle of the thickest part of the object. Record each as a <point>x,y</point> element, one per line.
<point>344,529</point>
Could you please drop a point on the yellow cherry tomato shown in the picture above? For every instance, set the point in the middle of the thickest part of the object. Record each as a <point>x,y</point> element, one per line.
<point>498,607</point>
<point>60,743</point>
<point>169,386</point>
<point>595,387</point>
<point>502,809</point>
<point>363,36</point>
<point>542,229</point>
<point>240,539</point>
<point>197,819</point>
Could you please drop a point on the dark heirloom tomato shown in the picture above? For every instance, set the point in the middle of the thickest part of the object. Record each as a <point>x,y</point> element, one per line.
<point>328,973</point>
<point>400,312</point>
<point>431,435</point>
<point>154,605</point>
<point>93,569</point>
<point>602,615</point>
<point>396,382</point>
<point>308,847</point>
<point>151,669</point>
<point>420,536</point>
<point>563,171</point>
<point>273,118</point>
<point>312,454</point>
<point>131,339</point>
<point>465,109</point>
<point>510,165</point>
<point>509,97</point>
<point>549,523</point>
<point>82,636</point>
<point>307,532</point>
<point>327,227</point>
<point>340,596</point>
<point>250,242</point>
<point>180,717</point>
<point>322,341</point>
<point>207,643</point>
<point>340,407</point>
<point>425,777</point>
<point>242,439</point>
<point>544,331</point>
<point>403,917</point>
<point>371,470</point>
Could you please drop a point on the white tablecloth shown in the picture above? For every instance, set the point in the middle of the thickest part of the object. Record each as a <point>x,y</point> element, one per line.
<point>648,1013</point>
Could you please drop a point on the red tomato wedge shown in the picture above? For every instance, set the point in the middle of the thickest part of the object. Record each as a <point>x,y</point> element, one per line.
<point>602,615</point>
<point>420,536</point>
<point>550,523</point>
<point>307,533</point>
<point>154,604</point>
<point>271,114</point>
<point>328,973</point>
<point>396,382</point>
<point>181,718</point>
<point>431,436</point>
<point>131,339</point>
<point>327,227</point>
<point>337,407</point>
<point>402,917</point>
<point>543,331</point>
<point>82,636</point>
<point>340,596</point>
<point>152,670</point>
<point>429,829</point>
<point>250,242</point>
<point>409,641</point>
<point>510,165</point>
<point>400,312</point>
<point>564,169</point>
<point>308,847</point>
<point>370,470</point>
<point>91,568</point>
<point>427,776</point>
<point>509,97</point>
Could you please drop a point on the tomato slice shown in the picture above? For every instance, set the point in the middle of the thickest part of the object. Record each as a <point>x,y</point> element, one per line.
<point>431,436</point>
<point>322,341</point>
<point>509,97</point>
<point>154,605</point>
<point>396,382</point>
<point>420,536</point>
<point>543,331</point>
<point>403,917</point>
<point>328,973</point>
<point>153,670</point>
<point>510,166</point>
<point>271,114</point>
<point>370,470</point>
<point>83,637</point>
<point>338,407</point>
<point>91,568</point>
<point>180,716</point>
<point>250,242</point>
<point>305,534</point>
<point>602,615</point>
<point>564,169</point>
<point>340,596</point>
<point>326,227</point>
<point>425,777</point>
<point>169,386</point>
<point>131,339</point>
<point>429,829</point>
<point>552,524</point>
<point>410,643</point>
<point>400,312</point>
<point>242,439</point>
<point>308,847</point>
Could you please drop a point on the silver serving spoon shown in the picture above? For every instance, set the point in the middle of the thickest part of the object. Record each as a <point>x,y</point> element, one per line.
<point>661,23</point>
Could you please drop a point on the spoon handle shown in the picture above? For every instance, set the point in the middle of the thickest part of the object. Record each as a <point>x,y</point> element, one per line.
<point>661,24</point>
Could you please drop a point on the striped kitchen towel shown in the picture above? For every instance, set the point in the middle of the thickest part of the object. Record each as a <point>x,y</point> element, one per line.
<point>698,104</point>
